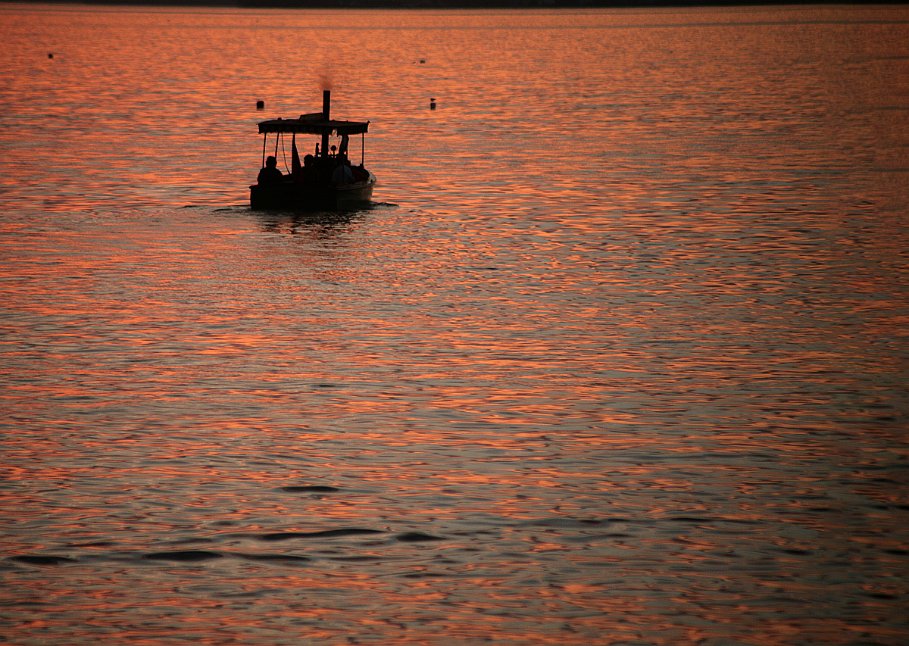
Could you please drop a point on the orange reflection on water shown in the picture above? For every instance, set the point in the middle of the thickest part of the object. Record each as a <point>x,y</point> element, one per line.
<point>603,370</point>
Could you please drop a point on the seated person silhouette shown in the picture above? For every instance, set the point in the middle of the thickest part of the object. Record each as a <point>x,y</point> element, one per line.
<point>270,173</point>
<point>342,173</point>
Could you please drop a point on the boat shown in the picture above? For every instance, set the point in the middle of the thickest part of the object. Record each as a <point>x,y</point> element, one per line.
<point>325,179</point>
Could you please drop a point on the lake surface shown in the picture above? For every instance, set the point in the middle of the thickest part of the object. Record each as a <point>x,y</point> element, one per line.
<point>617,356</point>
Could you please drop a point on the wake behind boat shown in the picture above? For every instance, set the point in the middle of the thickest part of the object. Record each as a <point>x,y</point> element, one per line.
<point>323,180</point>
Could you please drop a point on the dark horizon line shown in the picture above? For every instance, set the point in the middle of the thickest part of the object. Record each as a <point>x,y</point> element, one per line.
<point>454,4</point>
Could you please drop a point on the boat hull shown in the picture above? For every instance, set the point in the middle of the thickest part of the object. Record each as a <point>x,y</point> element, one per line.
<point>292,196</point>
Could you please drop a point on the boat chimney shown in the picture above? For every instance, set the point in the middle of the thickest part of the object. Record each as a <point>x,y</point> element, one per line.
<point>326,114</point>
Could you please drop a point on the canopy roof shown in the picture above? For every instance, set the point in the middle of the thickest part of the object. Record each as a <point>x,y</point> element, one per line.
<point>313,124</point>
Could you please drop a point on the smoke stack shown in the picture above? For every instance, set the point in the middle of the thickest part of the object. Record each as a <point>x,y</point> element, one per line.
<point>326,114</point>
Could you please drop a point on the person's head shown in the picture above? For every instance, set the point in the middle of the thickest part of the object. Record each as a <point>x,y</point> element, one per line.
<point>271,162</point>
<point>309,160</point>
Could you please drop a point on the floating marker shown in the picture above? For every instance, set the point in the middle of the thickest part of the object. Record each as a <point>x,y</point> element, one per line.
<point>432,104</point>
<point>50,55</point>
<point>260,105</point>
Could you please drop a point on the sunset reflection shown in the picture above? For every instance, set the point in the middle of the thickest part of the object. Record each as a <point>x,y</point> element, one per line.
<point>616,354</point>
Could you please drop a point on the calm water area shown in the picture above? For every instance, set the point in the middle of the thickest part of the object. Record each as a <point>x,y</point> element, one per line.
<point>618,354</point>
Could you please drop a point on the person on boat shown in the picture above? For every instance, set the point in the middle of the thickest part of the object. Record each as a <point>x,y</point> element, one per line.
<point>345,142</point>
<point>270,173</point>
<point>342,173</point>
<point>310,172</point>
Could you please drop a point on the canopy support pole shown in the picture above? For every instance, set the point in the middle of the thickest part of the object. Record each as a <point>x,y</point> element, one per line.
<point>362,149</point>
<point>264,143</point>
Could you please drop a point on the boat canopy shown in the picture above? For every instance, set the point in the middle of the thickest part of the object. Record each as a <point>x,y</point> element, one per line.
<point>313,124</point>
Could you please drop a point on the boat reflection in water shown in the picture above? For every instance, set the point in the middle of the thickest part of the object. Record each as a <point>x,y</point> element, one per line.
<point>325,179</point>
<point>317,225</point>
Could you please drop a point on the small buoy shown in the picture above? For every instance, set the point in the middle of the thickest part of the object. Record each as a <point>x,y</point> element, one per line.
<point>50,55</point>
<point>432,104</point>
<point>260,105</point>
<point>422,61</point>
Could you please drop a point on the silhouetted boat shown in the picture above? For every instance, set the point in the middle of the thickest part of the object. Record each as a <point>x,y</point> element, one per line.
<point>323,180</point>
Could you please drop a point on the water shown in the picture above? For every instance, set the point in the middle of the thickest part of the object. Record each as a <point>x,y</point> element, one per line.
<point>618,355</point>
